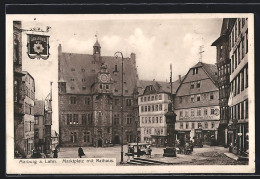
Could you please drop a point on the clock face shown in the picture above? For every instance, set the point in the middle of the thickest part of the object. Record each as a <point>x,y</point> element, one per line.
<point>104,78</point>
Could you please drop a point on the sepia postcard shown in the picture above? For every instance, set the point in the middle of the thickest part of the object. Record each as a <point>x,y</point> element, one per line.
<point>130,93</point>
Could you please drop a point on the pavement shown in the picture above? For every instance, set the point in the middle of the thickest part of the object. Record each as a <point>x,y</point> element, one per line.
<point>208,155</point>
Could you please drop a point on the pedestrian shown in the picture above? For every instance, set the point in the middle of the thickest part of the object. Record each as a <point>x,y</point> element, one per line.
<point>149,151</point>
<point>55,153</point>
<point>191,145</point>
<point>80,152</point>
<point>146,151</point>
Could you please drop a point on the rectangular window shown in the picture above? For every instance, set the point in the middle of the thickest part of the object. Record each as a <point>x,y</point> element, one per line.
<point>198,97</point>
<point>198,112</point>
<point>156,107</point>
<point>156,97</point>
<point>36,120</point>
<point>73,100</point>
<point>199,125</point>
<point>238,84</point>
<point>75,119</point>
<point>180,98</point>
<point>148,98</point>
<point>149,108</point>
<point>198,84</point>
<point>142,109</point>
<point>192,125</point>
<point>246,42</point>
<point>161,120</point>
<point>243,47</point>
<point>242,80</point>
<point>211,96</point>
<point>128,102</point>
<point>186,113</point>
<point>192,98</point>
<point>181,125</point>
<point>145,108</point>
<point>238,111</point>
<point>152,107</point>
<point>192,85</point>
<point>129,119</point>
<point>160,97</point>
<point>145,99</point>
<point>84,119</point>
<point>246,77</point>
<point>246,109</point>
<point>212,111</point>
<point>235,53</point>
<point>192,112</point>
<point>181,114</point>
<point>212,125</point>
<point>187,125</point>
<point>160,107</point>
<point>72,87</point>
<point>206,125</point>
<point>242,110</point>
<point>205,111</point>
<point>152,98</point>
<point>116,118</point>
<point>142,99</point>
<point>232,63</point>
<point>238,54</point>
<point>69,119</point>
<point>72,69</point>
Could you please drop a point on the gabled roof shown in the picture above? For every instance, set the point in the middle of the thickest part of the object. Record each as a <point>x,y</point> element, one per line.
<point>159,86</point>
<point>210,69</point>
<point>39,107</point>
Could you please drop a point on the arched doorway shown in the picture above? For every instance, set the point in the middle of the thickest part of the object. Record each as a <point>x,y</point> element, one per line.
<point>117,140</point>
<point>99,143</point>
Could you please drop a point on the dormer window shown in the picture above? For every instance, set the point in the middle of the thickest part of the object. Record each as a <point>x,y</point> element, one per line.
<point>83,79</point>
<point>84,88</point>
<point>72,69</point>
<point>83,70</point>
<point>195,70</point>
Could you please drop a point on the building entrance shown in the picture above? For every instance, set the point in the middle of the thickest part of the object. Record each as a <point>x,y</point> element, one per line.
<point>99,143</point>
<point>116,140</point>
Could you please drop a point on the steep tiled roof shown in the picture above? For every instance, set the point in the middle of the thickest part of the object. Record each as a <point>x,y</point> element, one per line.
<point>211,70</point>
<point>160,86</point>
<point>39,107</point>
<point>80,70</point>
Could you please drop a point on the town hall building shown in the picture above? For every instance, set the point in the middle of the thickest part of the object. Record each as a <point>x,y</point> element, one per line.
<point>90,98</point>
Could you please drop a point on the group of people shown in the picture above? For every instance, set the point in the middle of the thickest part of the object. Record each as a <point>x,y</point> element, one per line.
<point>184,146</point>
<point>80,152</point>
<point>147,151</point>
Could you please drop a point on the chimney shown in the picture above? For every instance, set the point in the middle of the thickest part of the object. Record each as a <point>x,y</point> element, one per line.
<point>180,78</point>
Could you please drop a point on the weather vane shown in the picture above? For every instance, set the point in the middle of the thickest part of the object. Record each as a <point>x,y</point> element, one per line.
<point>200,52</point>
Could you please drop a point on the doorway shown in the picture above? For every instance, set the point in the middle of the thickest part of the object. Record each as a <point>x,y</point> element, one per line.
<point>99,143</point>
<point>117,140</point>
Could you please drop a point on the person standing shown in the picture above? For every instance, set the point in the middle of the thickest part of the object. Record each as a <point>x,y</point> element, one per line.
<point>55,153</point>
<point>80,152</point>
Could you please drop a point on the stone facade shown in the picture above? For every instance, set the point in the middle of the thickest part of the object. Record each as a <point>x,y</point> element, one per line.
<point>90,99</point>
<point>197,105</point>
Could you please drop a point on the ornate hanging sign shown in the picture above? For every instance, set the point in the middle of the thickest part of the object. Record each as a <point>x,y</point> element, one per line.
<point>38,46</point>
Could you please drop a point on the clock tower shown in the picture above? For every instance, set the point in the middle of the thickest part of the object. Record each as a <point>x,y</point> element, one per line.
<point>102,106</point>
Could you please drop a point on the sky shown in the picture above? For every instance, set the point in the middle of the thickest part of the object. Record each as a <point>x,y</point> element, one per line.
<point>156,41</point>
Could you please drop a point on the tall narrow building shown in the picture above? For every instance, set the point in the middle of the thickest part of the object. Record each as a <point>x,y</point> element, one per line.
<point>90,101</point>
<point>223,65</point>
<point>238,101</point>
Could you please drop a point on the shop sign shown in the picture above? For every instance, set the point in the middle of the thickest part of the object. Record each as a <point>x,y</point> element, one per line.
<point>38,46</point>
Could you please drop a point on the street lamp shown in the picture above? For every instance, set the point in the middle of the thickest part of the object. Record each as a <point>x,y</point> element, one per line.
<point>122,118</point>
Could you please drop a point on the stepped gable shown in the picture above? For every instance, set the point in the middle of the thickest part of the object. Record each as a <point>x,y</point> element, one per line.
<point>39,107</point>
